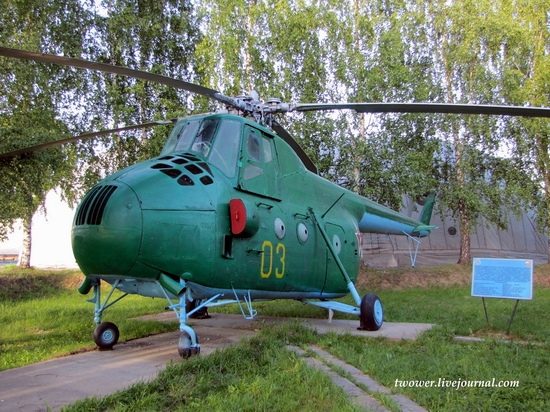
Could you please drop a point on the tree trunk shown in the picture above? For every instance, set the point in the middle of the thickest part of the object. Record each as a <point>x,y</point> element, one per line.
<point>25,254</point>
<point>459,147</point>
<point>465,256</point>
<point>544,167</point>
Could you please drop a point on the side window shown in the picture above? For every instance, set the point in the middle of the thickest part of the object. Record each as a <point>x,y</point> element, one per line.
<point>260,172</point>
<point>253,147</point>
<point>225,150</point>
<point>268,154</point>
<point>254,152</point>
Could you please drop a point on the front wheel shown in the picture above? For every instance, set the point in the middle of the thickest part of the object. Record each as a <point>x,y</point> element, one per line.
<point>106,335</point>
<point>185,348</point>
<point>372,313</point>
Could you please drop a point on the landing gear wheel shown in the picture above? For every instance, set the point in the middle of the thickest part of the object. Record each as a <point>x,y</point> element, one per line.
<point>200,314</point>
<point>184,346</point>
<point>372,313</point>
<point>106,335</point>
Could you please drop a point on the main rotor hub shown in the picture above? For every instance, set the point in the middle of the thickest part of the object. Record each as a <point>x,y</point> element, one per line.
<point>250,105</point>
<point>274,103</point>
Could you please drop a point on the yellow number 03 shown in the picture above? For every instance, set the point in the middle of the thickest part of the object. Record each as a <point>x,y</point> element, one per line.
<point>267,249</point>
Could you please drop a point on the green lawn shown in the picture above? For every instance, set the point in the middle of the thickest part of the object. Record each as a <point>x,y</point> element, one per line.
<point>436,357</point>
<point>43,316</point>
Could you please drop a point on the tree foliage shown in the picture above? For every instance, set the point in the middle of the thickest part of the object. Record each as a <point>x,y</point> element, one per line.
<point>437,51</point>
<point>32,103</point>
<point>525,78</point>
<point>152,36</point>
<point>46,102</point>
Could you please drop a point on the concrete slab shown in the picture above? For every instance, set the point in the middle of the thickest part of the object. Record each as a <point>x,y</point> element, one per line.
<point>390,330</point>
<point>62,381</point>
<point>354,392</point>
<point>404,403</point>
<point>393,330</point>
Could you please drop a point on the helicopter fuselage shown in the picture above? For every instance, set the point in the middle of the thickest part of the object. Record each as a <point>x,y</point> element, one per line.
<point>227,207</point>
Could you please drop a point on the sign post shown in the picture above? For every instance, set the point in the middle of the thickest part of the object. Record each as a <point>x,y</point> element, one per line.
<point>502,278</point>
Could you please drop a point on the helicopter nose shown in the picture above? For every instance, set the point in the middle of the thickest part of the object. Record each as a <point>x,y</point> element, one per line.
<point>107,230</point>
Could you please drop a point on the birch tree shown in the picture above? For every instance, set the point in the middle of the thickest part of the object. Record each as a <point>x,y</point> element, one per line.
<point>31,102</point>
<point>477,180</point>
<point>153,36</point>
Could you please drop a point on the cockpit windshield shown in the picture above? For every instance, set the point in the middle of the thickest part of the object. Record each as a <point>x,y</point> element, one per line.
<point>186,135</point>
<point>205,136</point>
<point>225,150</point>
<point>216,139</point>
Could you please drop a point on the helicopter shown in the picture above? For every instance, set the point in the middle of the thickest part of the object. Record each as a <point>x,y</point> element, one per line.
<point>231,211</point>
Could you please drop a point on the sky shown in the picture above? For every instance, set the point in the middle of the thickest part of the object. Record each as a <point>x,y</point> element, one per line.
<point>51,236</point>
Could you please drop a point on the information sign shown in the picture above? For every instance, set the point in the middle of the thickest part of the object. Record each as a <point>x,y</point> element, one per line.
<point>502,278</point>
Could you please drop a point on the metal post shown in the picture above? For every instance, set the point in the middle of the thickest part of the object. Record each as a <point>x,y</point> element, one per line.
<point>512,318</point>
<point>485,308</point>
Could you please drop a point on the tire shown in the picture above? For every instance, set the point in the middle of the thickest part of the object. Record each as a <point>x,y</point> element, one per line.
<point>372,313</point>
<point>106,335</point>
<point>184,346</point>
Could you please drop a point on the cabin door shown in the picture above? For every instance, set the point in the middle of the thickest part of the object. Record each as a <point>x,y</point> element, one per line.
<point>259,165</point>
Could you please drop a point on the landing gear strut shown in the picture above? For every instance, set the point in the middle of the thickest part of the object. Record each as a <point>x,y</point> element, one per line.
<point>106,334</point>
<point>188,344</point>
<point>371,314</point>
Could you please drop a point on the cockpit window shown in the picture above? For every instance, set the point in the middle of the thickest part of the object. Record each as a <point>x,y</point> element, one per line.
<point>268,154</point>
<point>205,136</point>
<point>217,139</point>
<point>186,135</point>
<point>173,139</point>
<point>225,150</point>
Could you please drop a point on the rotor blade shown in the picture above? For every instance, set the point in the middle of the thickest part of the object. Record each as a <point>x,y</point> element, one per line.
<point>83,137</point>
<point>426,108</point>
<point>108,68</point>
<point>283,134</point>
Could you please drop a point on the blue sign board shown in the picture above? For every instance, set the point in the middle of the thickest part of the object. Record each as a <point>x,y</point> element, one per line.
<point>502,278</point>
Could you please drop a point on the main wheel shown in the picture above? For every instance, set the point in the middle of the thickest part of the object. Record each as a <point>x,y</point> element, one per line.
<point>372,313</point>
<point>184,346</point>
<point>106,335</point>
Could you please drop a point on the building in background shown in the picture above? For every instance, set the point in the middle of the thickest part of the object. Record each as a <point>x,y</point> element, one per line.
<point>522,240</point>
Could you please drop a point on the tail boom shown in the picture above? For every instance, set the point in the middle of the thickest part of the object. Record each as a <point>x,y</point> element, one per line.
<point>382,220</point>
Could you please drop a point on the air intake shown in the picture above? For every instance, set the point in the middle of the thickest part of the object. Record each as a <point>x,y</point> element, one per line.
<point>93,205</point>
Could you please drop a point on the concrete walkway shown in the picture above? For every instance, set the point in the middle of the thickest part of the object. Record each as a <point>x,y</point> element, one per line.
<point>360,388</point>
<point>62,381</point>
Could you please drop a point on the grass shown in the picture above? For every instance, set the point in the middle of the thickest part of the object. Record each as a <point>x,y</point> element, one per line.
<point>437,357</point>
<point>260,374</point>
<point>440,296</point>
<point>43,316</point>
